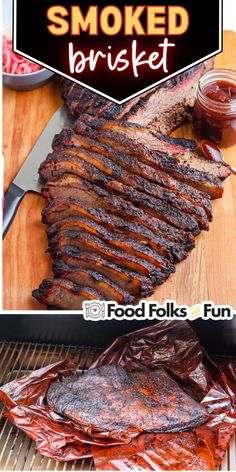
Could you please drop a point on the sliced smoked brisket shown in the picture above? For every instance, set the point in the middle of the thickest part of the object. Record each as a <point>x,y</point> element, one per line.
<point>128,280</point>
<point>183,150</point>
<point>124,200</point>
<point>96,198</point>
<point>67,214</point>
<point>56,165</point>
<point>108,289</point>
<point>64,294</point>
<point>139,259</point>
<point>160,161</point>
<point>119,240</point>
<point>131,171</point>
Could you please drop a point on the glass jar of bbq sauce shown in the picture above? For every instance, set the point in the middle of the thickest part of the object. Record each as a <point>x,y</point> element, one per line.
<point>214,115</point>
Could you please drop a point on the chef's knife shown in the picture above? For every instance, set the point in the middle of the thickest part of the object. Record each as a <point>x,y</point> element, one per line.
<point>27,179</point>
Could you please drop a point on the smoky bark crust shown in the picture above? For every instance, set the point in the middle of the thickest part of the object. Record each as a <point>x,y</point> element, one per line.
<point>148,401</point>
<point>163,108</point>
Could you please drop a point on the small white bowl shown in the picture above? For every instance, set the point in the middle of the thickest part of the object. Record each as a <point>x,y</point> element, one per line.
<point>30,81</point>
<point>21,81</point>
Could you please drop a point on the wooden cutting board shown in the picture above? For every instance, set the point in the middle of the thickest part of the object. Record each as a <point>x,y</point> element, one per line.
<point>209,273</point>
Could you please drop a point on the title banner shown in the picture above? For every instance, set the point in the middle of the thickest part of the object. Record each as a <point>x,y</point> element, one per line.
<point>121,49</point>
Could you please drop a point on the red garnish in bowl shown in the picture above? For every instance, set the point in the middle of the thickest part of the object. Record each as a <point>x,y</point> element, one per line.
<point>13,63</point>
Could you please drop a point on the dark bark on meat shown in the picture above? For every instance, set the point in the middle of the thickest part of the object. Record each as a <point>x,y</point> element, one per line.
<point>132,282</point>
<point>114,238</point>
<point>153,108</point>
<point>64,294</point>
<point>109,399</point>
<point>57,165</point>
<point>180,143</point>
<point>124,141</point>
<point>123,258</point>
<point>68,214</point>
<point>95,197</point>
<point>109,290</point>
<point>180,149</point>
<point>126,169</point>
<point>121,241</point>
<point>125,144</point>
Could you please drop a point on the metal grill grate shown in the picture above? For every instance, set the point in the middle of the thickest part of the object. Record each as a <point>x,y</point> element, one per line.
<point>17,451</point>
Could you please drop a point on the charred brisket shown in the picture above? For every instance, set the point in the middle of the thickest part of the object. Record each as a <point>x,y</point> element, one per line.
<point>56,165</point>
<point>163,108</point>
<point>109,399</point>
<point>139,259</point>
<point>68,214</point>
<point>131,282</point>
<point>95,198</point>
<point>64,294</point>
<point>109,290</point>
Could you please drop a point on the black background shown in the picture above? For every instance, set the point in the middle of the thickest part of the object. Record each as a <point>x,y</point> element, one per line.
<point>34,39</point>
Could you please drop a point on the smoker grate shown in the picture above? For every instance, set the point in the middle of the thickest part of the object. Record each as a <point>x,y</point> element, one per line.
<point>17,451</point>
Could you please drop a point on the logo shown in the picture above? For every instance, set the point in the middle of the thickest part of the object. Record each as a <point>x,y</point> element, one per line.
<point>94,310</point>
<point>101,311</point>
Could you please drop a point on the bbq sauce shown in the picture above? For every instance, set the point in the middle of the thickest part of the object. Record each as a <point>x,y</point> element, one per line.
<point>221,91</point>
<point>215,107</point>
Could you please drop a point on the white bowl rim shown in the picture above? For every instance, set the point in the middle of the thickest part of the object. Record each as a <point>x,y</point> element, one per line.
<point>30,74</point>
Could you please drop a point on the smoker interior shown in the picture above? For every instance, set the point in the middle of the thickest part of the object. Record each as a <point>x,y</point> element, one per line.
<point>217,337</point>
<point>17,451</point>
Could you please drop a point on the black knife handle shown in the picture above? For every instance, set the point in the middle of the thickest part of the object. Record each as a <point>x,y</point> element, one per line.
<point>12,199</point>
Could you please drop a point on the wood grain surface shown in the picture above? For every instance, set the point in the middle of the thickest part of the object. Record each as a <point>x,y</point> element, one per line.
<point>209,273</point>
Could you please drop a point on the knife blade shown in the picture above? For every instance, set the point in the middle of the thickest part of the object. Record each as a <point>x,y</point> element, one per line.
<point>27,179</point>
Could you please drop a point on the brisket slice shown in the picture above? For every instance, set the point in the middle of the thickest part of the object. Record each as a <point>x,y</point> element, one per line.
<point>176,143</point>
<point>64,294</point>
<point>109,399</point>
<point>56,165</point>
<point>97,198</point>
<point>119,143</point>
<point>203,181</point>
<point>65,213</point>
<point>194,159</point>
<point>131,282</point>
<point>93,233</point>
<point>163,108</point>
<point>117,238</point>
<point>126,169</point>
<point>164,140</point>
<point>181,149</point>
<point>109,290</point>
<point>90,243</point>
<point>171,103</point>
<point>179,188</point>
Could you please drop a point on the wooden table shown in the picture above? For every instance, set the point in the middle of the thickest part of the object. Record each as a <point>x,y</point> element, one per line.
<point>209,273</point>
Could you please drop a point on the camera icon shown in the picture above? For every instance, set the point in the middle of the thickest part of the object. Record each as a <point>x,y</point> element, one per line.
<point>93,310</point>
